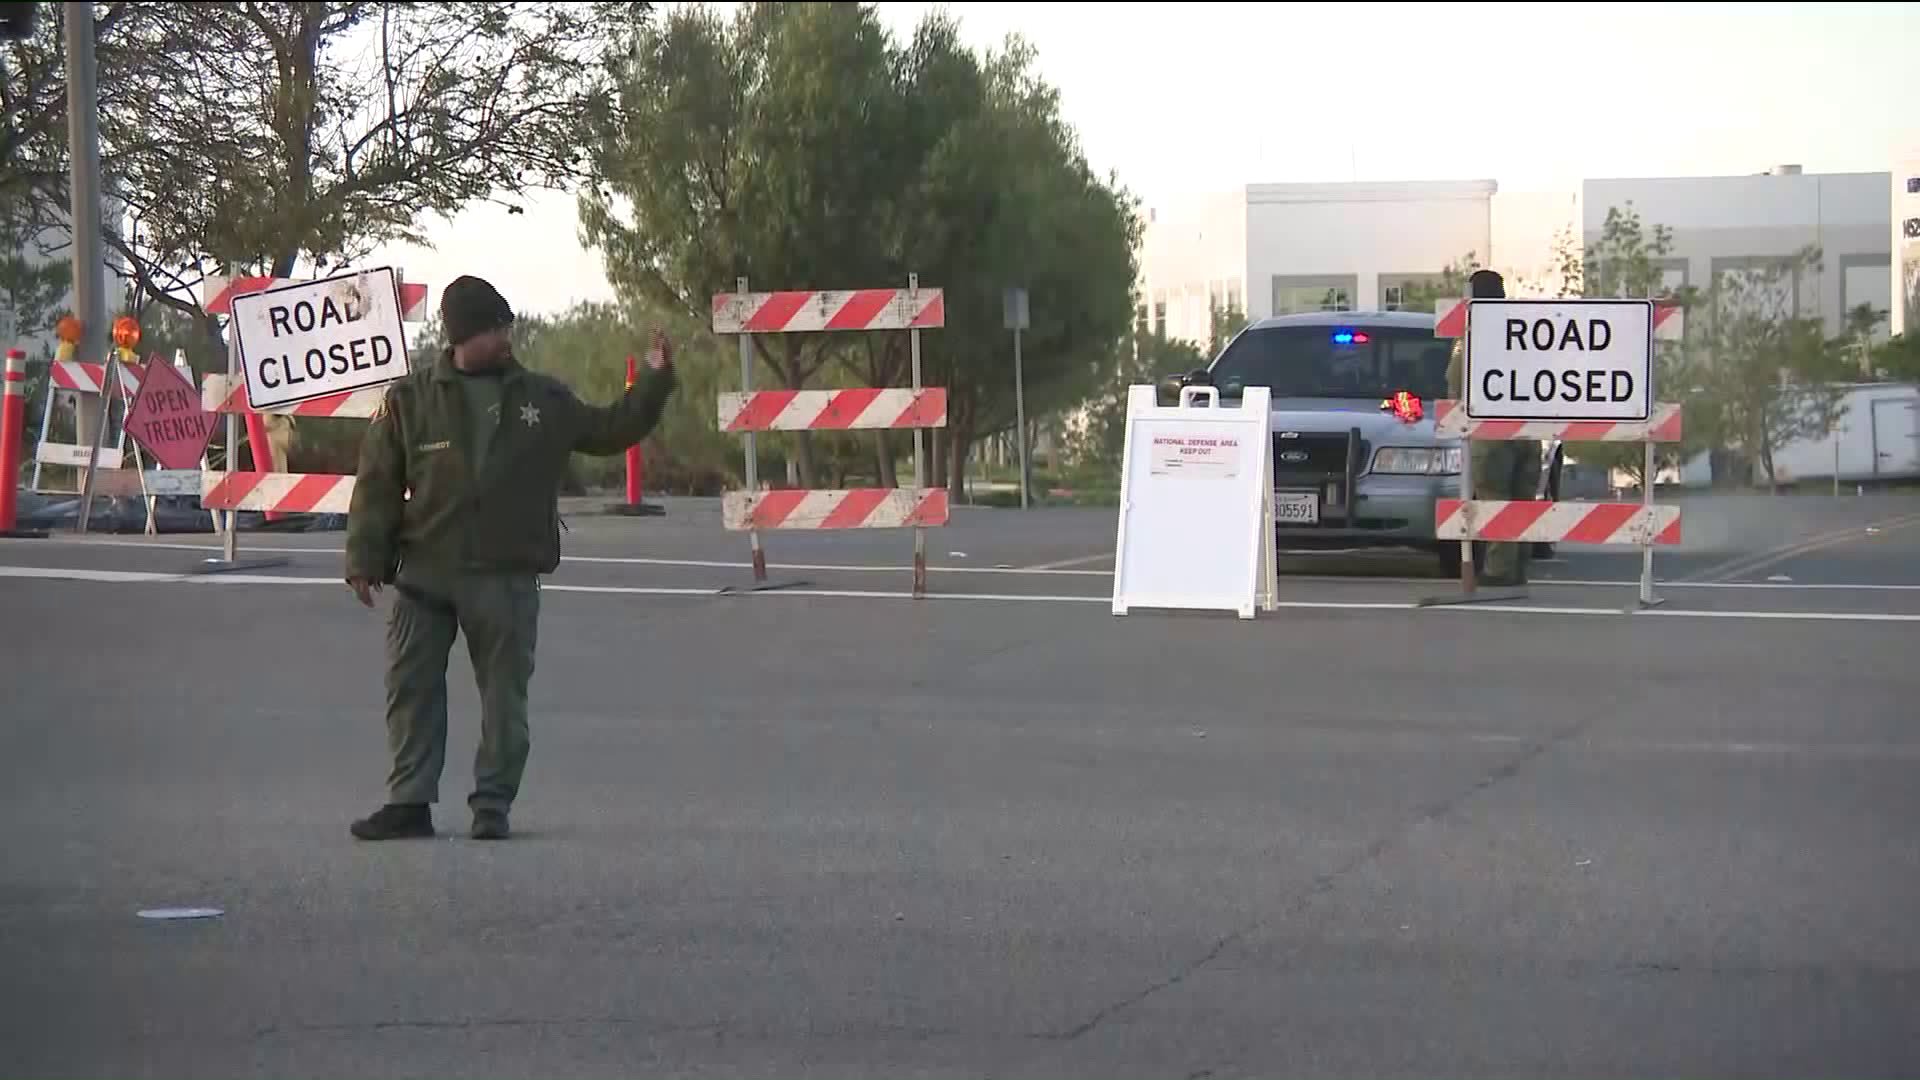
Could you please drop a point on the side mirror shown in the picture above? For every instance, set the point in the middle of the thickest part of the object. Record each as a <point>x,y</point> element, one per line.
<point>1197,377</point>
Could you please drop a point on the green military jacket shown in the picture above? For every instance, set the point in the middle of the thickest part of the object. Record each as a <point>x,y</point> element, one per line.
<point>417,501</point>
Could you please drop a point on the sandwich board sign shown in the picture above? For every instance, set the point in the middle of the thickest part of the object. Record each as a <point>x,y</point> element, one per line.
<point>167,420</point>
<point>1196,504</point>
<point>1560,360</point>
<point>312,339</point>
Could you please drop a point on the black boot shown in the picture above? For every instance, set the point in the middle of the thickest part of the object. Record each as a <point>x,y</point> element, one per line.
<point>396,821</point>
<point>490,825</point>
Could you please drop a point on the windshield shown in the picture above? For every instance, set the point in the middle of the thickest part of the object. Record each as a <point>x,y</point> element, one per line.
<point>1336,362</point>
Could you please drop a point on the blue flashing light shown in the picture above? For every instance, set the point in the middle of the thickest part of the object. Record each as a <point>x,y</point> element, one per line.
<point>1350,337</point>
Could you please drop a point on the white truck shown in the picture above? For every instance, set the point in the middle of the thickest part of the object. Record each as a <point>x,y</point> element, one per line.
<point>1876,440</point>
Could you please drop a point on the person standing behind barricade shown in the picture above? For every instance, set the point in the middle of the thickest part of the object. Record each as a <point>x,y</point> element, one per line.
<point>1502,469</point>
<point>456,504</point>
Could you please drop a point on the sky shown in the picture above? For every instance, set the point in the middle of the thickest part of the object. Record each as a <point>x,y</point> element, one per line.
<point>1534,96</point>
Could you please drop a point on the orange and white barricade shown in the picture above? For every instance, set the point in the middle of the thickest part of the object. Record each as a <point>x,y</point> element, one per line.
<point>76,377</point>
<point>290,493</point>
<point>912,309</point>
<point>1644,524</point>
<point>266,491</point>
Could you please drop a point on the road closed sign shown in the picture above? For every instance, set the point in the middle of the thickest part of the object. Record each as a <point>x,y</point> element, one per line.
<point>1559,359</point>
<point>313,339</point>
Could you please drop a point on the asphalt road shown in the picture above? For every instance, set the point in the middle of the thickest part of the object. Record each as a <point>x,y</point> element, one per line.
<point>831,831</point>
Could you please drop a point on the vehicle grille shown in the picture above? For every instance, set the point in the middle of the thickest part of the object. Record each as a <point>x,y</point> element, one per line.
<point>1313,454</point>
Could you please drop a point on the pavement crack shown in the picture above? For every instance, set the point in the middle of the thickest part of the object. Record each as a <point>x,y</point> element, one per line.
<point>1126,1003</point>
<point>1326,882</point>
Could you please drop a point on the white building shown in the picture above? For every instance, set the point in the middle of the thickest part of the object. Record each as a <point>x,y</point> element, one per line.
<point>1279,248</point>
<point>1903,240</point>
<point>1269,249</point>
<point>1723,224</point>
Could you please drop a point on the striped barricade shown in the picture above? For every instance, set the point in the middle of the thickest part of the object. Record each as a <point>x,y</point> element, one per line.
<point>275,492</point>
<point>1450,421</point>
<point>81,377</point>
<point>221,291</point>
<point>1643,525</point>
<point>228,394</point>
<point>1535,522</point>
<point>860,508</point>
<point>287,493</point>
<point>914,408</point>
<point>1450,320</point>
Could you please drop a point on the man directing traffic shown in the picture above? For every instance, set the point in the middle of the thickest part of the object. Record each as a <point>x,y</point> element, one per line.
<point>456,505</point>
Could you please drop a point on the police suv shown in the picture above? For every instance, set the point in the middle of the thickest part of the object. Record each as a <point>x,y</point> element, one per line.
<point>1355,459</point>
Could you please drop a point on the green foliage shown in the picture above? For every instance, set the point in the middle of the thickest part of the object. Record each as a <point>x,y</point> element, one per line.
<point>1625,262</point>
<point>587,347</point>
<point>1899,358</point>
<point>1225,323</point>
<point>1768,374</point>
<point>1144,358</point>
<point>1450,285</point>
<point>252,135</point>
<point>29,289</point>
<point>797,145</point>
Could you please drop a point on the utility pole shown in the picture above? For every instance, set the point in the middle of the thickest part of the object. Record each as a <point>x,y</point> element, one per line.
<point>89,262</point>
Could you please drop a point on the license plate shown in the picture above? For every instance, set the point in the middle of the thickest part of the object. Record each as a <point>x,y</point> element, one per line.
<point>1296,508</point>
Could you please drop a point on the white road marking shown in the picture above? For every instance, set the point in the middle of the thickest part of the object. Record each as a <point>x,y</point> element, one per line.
<point>1803,586</point>
<point>1082,560</point>
<point>1527,609</point>
<point>1816,616</point>
<point>1044,569</point>
<point>154,577</point>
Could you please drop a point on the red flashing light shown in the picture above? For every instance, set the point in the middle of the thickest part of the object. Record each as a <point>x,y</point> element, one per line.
<point>1404,406</point>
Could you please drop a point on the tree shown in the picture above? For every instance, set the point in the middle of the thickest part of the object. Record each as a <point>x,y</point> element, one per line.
<point>1143,358</point>
<point>798,146</point>
<point>1899,358</point>
<point>1225,323</point>
<point>249,136</point>
<point>1769,372</point>
<point>1625,262</point>
<point>765,146</point>
<point>1450,284</point>
<point>587,347</point>
<point>1007,198</point>
<point>29,288</point>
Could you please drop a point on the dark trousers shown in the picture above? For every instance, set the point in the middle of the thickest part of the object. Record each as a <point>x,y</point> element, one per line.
<point>1509,471</point>
<point>499,614</point>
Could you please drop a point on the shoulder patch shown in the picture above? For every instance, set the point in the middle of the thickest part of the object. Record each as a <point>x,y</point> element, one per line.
<point>381,410</point>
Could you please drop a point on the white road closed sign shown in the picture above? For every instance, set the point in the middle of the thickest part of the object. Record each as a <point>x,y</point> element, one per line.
<point>316,338</point>
<point>1559,359</point>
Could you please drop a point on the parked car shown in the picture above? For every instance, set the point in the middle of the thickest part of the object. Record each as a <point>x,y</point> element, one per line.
<point>1356,462</point>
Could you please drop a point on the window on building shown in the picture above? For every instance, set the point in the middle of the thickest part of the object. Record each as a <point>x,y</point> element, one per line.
<point>1393,298</point>
<point>1292,300</point>
<point>1867,280</point>
<point>1160,317</point>
<point>1294,295</point>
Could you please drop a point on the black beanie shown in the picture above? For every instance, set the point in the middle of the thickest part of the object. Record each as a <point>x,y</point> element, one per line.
<point>470,307</point>
<point>1487,285</point>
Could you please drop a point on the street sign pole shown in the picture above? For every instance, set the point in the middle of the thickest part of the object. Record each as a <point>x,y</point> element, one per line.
<point>1014,314</point>
<point>1020,419</point>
